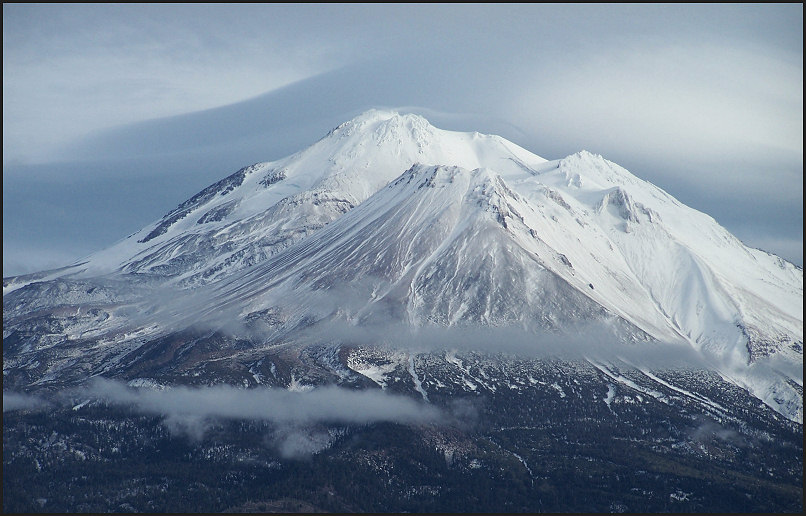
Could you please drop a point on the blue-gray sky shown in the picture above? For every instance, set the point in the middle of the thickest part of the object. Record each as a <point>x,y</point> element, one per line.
<point>114,114</point>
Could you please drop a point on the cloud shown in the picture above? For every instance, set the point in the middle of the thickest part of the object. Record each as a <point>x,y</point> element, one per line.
<point>98,66</point>
<point>301,423</point>
<point>17,401</point>
<point>70,69</point>
<point>296,442</point>
<point>709,430</point>
<point>320,405</point>
<point>669,99</point>
<point>577,342</point>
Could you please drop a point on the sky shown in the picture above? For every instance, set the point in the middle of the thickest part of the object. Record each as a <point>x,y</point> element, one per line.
<point>115,114</point>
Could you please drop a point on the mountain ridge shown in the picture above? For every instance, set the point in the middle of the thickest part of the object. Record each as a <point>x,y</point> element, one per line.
<point>498,235</point>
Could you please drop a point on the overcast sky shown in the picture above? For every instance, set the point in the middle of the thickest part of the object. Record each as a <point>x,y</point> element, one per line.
<point>114,114</point>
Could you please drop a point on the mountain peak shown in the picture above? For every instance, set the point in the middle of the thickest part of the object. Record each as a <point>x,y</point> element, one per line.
<point>382,114</point>
<point>371,119</point>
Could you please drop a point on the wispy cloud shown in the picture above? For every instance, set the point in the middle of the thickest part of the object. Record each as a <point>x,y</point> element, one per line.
<point>301,423</point>
<point>76,68</point>
<point>18,401</point>
<point>323,404</point>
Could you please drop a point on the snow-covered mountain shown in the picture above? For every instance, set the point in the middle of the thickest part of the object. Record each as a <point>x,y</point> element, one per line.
<point>389,220</point>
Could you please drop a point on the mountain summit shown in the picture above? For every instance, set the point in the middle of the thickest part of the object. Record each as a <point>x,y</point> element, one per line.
<point>390,221</point>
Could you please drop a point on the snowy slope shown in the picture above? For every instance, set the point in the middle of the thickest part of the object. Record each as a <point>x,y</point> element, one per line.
<point>263,208</point>
<point>441,245</point>
<point>448,245</point>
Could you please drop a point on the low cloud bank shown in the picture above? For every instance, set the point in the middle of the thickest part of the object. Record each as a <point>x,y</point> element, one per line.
<point>303,423</point>
<point>321,405</point>
<point>581,341</point>
<point>16,401</point>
